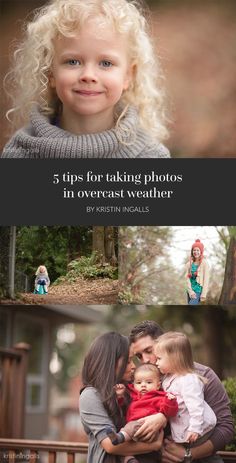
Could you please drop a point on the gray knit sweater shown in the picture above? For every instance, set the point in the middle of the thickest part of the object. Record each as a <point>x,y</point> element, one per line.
<point>41,139</point>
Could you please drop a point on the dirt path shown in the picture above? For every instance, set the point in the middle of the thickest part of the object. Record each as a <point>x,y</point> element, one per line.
<point>100,291</point>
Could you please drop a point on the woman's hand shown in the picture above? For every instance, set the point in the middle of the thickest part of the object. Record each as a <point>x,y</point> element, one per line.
<point>172,452</point>
<point>192,295</point>
<point>150,425</point>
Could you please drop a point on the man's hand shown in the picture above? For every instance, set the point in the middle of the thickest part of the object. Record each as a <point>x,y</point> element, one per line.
<point>159,440</point>
<point>150,426</point>
<point>171,452</point>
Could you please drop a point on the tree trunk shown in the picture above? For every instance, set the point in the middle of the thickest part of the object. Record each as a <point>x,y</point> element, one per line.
<point>104,244</point>
<point>109,244</point>
<point>98,242</point>
<point>12,263</point>
<point>4,259</point>
<point>213,322</point>
<point>228,293</point>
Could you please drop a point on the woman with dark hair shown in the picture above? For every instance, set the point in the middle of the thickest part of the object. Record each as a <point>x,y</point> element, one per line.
<point>107,363</point>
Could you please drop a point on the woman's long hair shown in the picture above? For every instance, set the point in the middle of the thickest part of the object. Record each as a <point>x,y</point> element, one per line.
<point>104,366</point>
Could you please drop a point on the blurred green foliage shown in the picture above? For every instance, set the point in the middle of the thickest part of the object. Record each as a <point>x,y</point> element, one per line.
<point>230,386</point>
<point>52,246</point>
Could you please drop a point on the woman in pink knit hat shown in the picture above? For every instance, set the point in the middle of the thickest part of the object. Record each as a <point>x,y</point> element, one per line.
<point>197,275</point>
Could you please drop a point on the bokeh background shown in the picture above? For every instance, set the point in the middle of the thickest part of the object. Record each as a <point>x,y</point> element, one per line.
<point>196,42</point>
<point>153,261</point>
<point>60,337</point>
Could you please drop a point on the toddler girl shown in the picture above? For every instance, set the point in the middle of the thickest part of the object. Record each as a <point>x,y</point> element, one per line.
<point>195,419</point>
<point>85,76</point>
<point>146,400</point>
<point>197,275</point>
<point>42,280</point>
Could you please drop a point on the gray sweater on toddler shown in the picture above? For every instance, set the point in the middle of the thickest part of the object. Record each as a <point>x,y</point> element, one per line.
<point>43,140</point>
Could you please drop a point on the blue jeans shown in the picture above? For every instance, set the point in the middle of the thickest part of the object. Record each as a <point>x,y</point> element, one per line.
<point>192,301</point>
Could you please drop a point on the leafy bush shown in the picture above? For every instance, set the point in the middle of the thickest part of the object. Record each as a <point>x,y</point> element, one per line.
<point>127,296</point>
<point>89,268</point>
<point>230,386</point>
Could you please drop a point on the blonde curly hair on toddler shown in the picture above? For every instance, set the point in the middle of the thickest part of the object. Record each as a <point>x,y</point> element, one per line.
<point>28,82</point>
<point>41,269</point>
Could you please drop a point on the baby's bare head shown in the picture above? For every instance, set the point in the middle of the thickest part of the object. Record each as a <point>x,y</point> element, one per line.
<point>147,378</point>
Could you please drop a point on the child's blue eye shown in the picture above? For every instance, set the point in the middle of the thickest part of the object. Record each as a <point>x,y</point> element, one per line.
<point>106,64</point>
<point>73,62</point>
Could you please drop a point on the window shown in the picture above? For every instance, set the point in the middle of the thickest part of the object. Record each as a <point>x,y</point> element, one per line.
<point>4,329</point>
<point>34,331</point>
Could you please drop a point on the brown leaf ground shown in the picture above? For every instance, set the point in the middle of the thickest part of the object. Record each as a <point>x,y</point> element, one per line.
<point>99,291</point>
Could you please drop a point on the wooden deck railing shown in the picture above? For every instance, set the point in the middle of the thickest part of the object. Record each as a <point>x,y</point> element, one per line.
<point>13,367</point>
<point>228,457</point>
<point>12,448</point>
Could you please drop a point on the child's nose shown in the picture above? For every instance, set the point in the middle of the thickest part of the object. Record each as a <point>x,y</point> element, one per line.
<point>88,74</point>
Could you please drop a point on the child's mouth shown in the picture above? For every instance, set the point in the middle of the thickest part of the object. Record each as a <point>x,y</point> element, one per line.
<point>87,93</point>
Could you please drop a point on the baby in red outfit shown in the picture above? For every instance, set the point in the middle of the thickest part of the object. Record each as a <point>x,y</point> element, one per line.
<point>146,400</point>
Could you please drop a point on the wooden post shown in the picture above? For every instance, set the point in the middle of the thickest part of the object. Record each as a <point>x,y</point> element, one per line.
<point>5,428</point>
<point>52,457</point>
<point>70,457</point>
<point>12,393</point>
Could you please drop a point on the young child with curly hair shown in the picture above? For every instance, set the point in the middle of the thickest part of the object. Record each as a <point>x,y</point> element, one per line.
<point>87,82</point>
<point>42,280</point>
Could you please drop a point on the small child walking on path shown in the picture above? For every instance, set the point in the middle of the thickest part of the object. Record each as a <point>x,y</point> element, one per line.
<point>146,400</point>
<point>195,419</point>
<point>87,82</point>
<point>197,275</point>
<point>42,281</point>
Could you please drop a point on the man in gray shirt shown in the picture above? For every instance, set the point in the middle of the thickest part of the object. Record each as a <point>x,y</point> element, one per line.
<point>142,338</point>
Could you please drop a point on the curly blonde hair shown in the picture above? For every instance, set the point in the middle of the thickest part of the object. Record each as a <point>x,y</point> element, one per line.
<point>28,81</point>
<point>41,269</point>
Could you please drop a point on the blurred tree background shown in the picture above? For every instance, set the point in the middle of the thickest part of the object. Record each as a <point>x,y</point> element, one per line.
<point>196,40</point>
<point>152,269</point>
<point>211,331</point>
<point>196,43</point>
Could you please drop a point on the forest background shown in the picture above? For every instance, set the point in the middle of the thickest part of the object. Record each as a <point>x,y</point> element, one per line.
<point>81,263</point>
<point>153,262</point>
